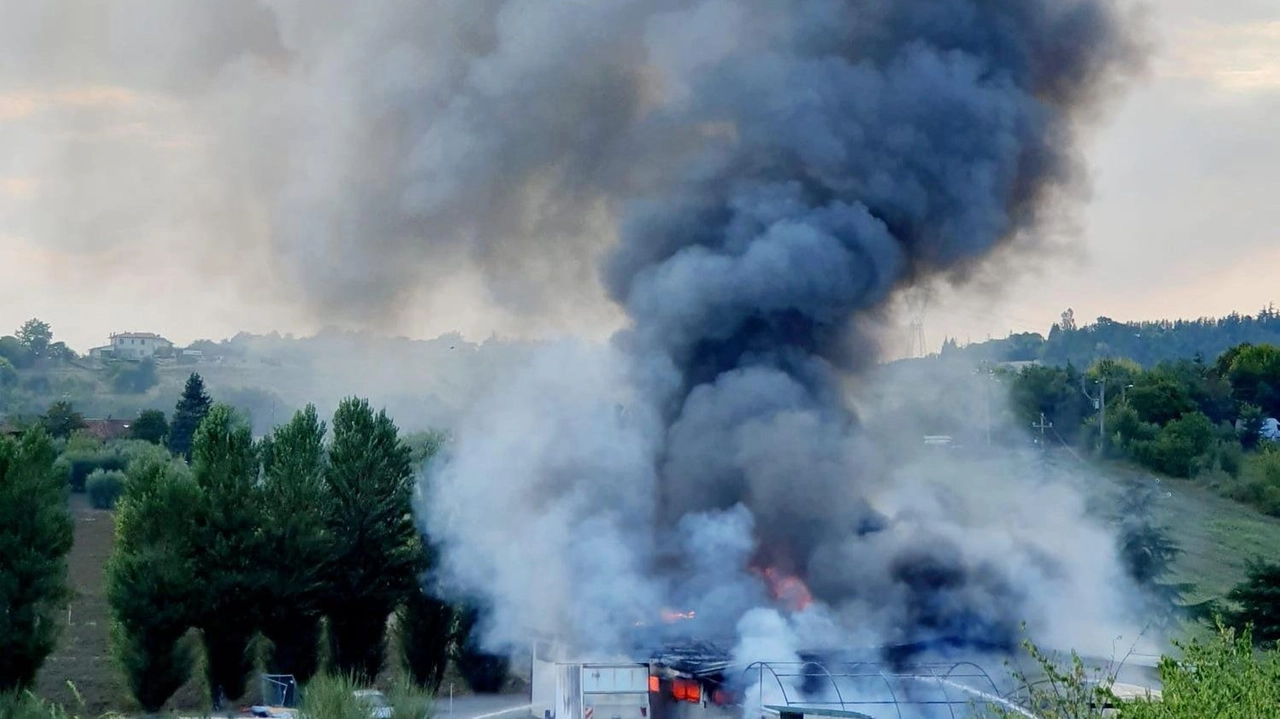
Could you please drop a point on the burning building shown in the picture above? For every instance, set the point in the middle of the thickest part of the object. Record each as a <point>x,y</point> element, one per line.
<point>784,169</point>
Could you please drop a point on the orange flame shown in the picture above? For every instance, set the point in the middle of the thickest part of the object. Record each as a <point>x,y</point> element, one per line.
<point>788,589</point>
<point>671,616</point>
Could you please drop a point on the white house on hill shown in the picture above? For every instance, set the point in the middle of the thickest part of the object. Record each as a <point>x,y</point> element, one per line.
<point>133,346</point>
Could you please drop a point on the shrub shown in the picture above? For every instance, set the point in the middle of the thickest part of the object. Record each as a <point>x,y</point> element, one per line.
<point>1231,458</point>
<point>408,701</point>
<point>105,487</point>
<point>83,464</point>
<point>1220,677</point>
<point>25,705</point>
<point>332,696</point>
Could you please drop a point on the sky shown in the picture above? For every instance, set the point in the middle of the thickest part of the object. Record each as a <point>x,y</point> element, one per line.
<point>117,213</point>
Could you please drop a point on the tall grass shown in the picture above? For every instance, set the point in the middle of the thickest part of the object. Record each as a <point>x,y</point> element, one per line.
<point>408,701</point>
<point>26,705</point>
<point>330,696</point>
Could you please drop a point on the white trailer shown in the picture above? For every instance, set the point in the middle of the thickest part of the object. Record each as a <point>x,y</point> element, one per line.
<point>602,691</point>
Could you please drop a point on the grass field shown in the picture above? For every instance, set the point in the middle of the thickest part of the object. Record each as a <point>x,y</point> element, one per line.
<point>1217,536</point>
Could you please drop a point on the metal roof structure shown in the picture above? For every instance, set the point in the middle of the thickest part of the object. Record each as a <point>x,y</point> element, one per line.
<point>872,690</point>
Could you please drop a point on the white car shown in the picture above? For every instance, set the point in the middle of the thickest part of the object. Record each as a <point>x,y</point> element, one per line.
<point>379,708</point>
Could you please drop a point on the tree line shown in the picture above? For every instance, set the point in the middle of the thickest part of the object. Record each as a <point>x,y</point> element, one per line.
<point>294,553</point>
<point>1186,418</point>
<point>1147,343</point>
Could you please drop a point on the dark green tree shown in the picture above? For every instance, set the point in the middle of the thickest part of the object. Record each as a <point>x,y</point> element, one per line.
<point>35,536</point>
<point>1055,391</point>
<point>1148,552</point>
<point>135,377</point>
<point>1258,601</point>
<point>150,426</point>
<point>1161,401</point>
<point>1178,445</point>
<point>8,374</point>
<point>1254,372</point>
<point>229,545</point>
<point>426,624</point>
<point>12,349</point>
<point>187,416</point>
<point>296,543</point>
<point>151,579</point>
<point>36,337</point>
<point>375,559</point>
<point>484,671</point>
<point>61,420</point>
<point>426,627</point>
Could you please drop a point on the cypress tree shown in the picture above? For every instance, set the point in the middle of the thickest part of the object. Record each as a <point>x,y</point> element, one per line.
<point>229,548</point>
<point>35,537</point>
<point>296,543</point>
<point>376,555</point>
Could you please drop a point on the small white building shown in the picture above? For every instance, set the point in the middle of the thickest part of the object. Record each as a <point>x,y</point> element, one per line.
<point>1270,429</point>
<point>133,346</point>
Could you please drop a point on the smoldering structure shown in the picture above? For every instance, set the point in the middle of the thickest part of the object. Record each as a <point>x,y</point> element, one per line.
<point>815,157</point>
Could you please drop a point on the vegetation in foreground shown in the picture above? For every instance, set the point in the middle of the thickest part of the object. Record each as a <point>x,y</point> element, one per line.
<point>1223,676</point>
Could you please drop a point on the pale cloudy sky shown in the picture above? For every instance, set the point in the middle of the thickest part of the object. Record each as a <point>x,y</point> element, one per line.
<point>106,224</point>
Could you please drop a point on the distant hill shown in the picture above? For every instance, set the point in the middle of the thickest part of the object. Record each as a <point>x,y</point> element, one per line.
<point>1147,343</point>
<point>422,383</point>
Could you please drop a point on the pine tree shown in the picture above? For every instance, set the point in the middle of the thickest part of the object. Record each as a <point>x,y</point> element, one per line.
<point>375,558</point>
<point>187,416</point>
<point>296,543</point>
<point>35,536</point>
<point>229,548</point>
<point>151,584</point>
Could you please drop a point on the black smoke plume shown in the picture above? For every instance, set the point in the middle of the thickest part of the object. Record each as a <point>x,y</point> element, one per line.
<point>813,157</point>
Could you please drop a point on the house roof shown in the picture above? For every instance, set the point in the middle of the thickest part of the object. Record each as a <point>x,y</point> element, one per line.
<point>107,429</point>
<point>138,336</point>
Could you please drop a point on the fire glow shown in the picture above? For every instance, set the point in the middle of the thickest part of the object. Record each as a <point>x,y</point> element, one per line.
<point>787,589</point>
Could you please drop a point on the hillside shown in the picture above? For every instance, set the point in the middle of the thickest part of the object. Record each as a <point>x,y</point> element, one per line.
<point>1218,536</point>
<point>422,384</point>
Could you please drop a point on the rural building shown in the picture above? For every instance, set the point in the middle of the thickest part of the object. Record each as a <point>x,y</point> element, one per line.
<point>133,346</point>
<point>106,430</point>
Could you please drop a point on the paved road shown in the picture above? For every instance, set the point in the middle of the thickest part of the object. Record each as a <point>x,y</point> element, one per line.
<point>469,707</point>
<point>482,707</point>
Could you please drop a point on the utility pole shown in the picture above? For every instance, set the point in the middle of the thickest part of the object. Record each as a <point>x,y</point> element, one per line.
<point>1099,403</point>
<point>1102,414</point>
<point>988,376</point>
<point>1042,425</point>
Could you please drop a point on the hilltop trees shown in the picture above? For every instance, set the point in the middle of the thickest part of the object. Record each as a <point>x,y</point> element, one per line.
<point>374,558</point>
<point>35,336</point>
<point>150,426</point>
<point>190,411</point>
<point>35,537</point>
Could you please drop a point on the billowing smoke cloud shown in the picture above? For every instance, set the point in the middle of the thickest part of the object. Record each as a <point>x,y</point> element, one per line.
<point>812,157</point>
<point>749,182</point>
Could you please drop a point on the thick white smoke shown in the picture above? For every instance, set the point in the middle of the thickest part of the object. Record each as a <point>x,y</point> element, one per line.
<point>757,178</point>
<point>811,158</point>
